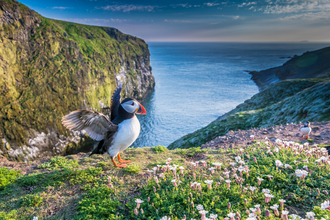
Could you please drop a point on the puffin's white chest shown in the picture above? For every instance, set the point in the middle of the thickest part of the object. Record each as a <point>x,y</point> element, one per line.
<point>128,131</point>
<point>305,130</point>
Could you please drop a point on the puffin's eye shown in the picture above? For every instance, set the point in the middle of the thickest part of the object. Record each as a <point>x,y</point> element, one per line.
<point>132,103</point>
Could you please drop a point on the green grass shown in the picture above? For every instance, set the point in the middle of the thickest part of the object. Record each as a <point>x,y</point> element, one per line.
<point>59,162</point>
<point>132,169</point>
<point>31,200</point>
<point>159,149</point>
<point>7,176</point>
<point>97,190</point>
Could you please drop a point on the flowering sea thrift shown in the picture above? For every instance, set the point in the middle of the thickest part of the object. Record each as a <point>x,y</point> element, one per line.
<point>325,205</point>
<point>268,197</point>
<point>203,213</point>
<point>282,201</point>
<point>138,202</point>
<point>275,208</point>
<point>278,163</point>
<point>310,215</point>
<point>244,180</point>
<point>209,183</point>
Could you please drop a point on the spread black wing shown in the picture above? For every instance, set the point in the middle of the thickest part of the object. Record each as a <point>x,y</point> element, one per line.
<point>115,102</point>
<point>95,124</point>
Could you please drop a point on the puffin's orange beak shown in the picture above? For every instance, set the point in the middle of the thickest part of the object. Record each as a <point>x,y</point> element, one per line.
<point>141,111</point>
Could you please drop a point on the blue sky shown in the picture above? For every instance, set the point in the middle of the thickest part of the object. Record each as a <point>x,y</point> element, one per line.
<point>199,20</point>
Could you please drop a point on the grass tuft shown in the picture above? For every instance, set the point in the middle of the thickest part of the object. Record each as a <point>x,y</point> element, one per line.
<point>159,149</point>
<point>132,168</point>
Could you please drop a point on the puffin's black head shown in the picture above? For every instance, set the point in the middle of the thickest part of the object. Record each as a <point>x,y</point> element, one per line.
<point>307,124</point>
<point>132,106</point>
<point>127,109</point>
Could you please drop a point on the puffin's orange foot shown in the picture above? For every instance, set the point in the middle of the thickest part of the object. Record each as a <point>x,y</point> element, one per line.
<point>117,165</point>
<point>122,161</point>
<point>121,165</point>
<point>306,136</point>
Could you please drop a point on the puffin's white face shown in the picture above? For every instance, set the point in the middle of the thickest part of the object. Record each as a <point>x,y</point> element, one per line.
<point>131,106</point>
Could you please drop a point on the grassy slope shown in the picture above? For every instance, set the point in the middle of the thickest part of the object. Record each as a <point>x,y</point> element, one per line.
<point>60,65</point>
<point>314,64</point>
<point>283,102</point>
<point>77,187</point>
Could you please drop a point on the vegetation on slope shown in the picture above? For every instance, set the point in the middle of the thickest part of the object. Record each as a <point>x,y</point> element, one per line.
<point>221,182</point>
<point>49,68</point>
<point>289,101</point>
<point>314,64</point>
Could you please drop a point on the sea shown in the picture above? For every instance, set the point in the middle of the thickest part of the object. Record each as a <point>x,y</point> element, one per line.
<point>198,82</point>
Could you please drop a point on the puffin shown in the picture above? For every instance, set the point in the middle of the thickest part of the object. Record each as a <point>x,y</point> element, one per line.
<point>114,134</point>
<point>306,130</point>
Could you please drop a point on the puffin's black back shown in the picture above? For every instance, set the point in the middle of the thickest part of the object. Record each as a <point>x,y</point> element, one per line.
<point>114,111</point>
<point>115,103</point>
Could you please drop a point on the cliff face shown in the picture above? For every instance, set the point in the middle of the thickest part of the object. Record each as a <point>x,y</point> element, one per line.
<point>315,64</point>
<point>49,68</point>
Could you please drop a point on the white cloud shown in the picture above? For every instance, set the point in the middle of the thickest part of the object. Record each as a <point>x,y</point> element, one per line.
<point>308,16</point>
<point>210,4</point>
<point>60,7</point>
<point>128,8</point>
<point>235,17</point>
<point>247,4</point>
<point>181,5</point>
<point>296,6</point>
<point>177,21</point>
<point>296,9</point>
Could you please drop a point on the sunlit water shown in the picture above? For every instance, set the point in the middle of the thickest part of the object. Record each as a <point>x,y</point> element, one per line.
<point>198,82</point>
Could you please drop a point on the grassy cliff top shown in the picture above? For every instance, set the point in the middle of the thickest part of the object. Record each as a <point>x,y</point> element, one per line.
<point>190,180</point>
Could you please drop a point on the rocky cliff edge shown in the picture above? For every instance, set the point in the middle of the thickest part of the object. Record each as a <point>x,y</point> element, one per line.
<point>49,68</point>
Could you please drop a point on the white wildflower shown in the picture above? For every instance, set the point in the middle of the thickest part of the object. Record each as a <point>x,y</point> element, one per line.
<point>231,215</point>
<point>199,207</point>
<point>278,163</point>
<point>325,204</point>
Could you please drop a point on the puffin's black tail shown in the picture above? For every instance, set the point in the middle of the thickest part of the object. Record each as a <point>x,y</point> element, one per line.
<point>99,149</point>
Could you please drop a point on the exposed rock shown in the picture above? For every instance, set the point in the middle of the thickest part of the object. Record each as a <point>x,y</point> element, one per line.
<point>319,136</point>
<point>49,68</point>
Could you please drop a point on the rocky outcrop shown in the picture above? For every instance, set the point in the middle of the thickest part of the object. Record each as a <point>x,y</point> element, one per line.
<point>49,68</point>
<point>315,64</point>
<point>320,135</point>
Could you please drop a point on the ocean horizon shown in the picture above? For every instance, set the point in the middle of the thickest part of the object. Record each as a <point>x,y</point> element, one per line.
<point>197,82</point>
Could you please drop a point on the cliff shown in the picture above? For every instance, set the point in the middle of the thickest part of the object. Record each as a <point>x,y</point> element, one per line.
<point>288,101</point>
<point>315,64</point>
<point>49,68</point>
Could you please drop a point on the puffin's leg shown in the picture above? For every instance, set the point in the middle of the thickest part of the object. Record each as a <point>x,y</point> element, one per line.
<point>306,136</point>
<point>123,161</point>
<point>117,165</point>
